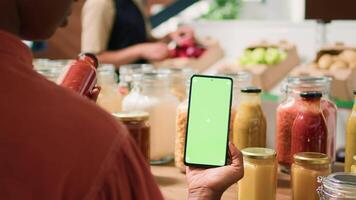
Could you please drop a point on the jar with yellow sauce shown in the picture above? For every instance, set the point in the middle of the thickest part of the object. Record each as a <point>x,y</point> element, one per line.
<point>353,167</point>
<point>249,129</point>
<point>260,177</point>
<point>350,147</point>
<point>306,169</point>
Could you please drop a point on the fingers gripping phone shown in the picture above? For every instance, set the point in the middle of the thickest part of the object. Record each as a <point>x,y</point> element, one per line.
<point>208,121</point>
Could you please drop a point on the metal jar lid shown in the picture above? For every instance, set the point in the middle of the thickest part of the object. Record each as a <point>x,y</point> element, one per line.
<point>258,153</point>
<point>131,116</point>
<point>311,158</point>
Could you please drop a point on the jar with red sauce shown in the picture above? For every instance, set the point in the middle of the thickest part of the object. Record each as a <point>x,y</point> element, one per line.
<point>309,130</point>
<point>287,111</point>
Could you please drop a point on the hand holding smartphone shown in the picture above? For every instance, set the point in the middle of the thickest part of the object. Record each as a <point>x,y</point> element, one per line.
<point>208,122</point>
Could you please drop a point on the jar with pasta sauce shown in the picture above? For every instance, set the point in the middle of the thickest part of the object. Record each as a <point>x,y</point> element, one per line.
<point>287,112</point>
<point>139,129</point>
<point>337,186</point>
<point>306,169</point>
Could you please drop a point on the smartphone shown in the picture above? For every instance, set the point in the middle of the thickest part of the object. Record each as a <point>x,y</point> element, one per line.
<point>208,121</point>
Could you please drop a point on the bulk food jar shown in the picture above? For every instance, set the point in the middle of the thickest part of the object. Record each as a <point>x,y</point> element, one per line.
<point>151,93</point>
<point>353,167</point>
<point>306,169</point>
<point>287,112</point>
<point>350,148</point>
<point>109,98</point>
<point>337,186</point>
<point>249,129</point>
<point>260,175</point>
<point>126,75</point>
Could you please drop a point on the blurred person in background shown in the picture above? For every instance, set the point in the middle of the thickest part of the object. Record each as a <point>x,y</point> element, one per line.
<point>55,144</point>
<point>119,32</point>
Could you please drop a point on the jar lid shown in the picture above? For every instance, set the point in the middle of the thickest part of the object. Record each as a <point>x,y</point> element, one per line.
<point>311,158</point>
<point>311,94</point>
<point>258,153</point>
<point>131,116</point>
<point>251,90</point>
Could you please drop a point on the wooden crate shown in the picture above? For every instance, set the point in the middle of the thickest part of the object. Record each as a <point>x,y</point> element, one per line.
<point>213,53</point>
<point>343,80</point>
<point>268,76</point>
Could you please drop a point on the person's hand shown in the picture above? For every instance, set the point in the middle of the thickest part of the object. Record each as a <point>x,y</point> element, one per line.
<point>182,34</point>
<point>154,51</point>
<point>210,184</point>
<point>94,93</point>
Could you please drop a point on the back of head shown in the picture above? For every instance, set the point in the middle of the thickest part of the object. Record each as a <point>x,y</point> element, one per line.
<point>34,19</point>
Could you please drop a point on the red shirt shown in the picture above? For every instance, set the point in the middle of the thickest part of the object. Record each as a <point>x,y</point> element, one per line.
<point>55,144</point>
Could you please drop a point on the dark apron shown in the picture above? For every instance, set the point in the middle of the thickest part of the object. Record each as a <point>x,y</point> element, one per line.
<point>129,26</point>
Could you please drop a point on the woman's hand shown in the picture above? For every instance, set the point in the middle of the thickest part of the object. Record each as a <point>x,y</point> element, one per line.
<point>153,51</point>
<point>210,184</point>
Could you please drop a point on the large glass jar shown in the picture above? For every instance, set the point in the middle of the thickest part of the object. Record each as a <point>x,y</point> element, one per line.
<point>287,112</point>
<point>127,73</point>
<point>309,131</point>
<point>139,129</point>
<point>338,186</point>
<point>249,129</point>
<point>178,80</point>
<point>151,93</point>
<point>307,167</point>
<point>109,97</point>
<point>350,149</point>
<point>260,175</point>
<point>181,128</point>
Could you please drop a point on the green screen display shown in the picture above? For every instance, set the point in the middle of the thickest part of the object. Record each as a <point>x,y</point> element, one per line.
<point>208,120</point>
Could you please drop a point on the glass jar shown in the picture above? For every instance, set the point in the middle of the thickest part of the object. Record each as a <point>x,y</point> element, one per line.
<point>337,186</point>
<point>139,128</point>
<point>353,167</point>
<point>307,167</point>
<point>181,128</point>
<point>151,93</point>
<point>127,75</point>
<point>287,112</point>
<point>109,97</point>
<point>50,69</point>
<point>178,80</point>
<point>250,127</point>
<point>309,131</point>
<point>260,175</point>
<point>350,147</point>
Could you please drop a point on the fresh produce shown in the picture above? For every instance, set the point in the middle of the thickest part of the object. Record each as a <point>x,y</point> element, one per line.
<point>222,10</point>
<point>185,47</point>
<point>344,60</point>
<point>262,56</point>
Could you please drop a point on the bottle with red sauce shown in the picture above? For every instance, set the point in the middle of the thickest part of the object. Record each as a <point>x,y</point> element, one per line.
<point>287,111</point>
<point>309,130</point>
<point>80,75</point>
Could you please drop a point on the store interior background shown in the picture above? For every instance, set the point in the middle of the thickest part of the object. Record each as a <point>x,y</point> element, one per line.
<point>270,20</point>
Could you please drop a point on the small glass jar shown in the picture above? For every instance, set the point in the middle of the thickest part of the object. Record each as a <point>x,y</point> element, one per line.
<point>250,127</point>
<point>50,69</point>
<point>307,167</point>
<point>127,75</point>
<point>350,147</point>
<point>139,128</point>
<point>151,93</point>
<point>353,167</point>
<point>337,186</point>
<point>109,97</point>
<point>260,175</point>
<point>287,112</point>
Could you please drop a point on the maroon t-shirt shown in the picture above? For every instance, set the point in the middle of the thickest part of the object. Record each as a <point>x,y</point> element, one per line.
<point>57,145</point>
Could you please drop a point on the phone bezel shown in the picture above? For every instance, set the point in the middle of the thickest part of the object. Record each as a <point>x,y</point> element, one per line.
<point>229,121</point>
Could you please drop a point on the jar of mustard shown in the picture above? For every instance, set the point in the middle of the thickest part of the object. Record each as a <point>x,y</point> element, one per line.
<point>306,168</point>
<point>353,167</point>
<point>260,177</point>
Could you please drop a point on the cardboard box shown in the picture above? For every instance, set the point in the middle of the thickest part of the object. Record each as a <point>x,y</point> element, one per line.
<point>213,53</point>
<point>344,79</point>
<point>268,76</point>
